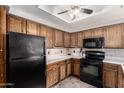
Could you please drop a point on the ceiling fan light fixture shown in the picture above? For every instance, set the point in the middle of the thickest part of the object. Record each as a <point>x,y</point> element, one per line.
<point>75,13</point>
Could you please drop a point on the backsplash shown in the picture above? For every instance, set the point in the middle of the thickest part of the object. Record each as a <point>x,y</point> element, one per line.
<point>108,52</point>
<point>77,51</point>
<point>56,51</point>
<point>114,52</point>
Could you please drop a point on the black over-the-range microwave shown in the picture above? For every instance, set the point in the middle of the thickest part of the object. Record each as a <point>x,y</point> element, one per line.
<point>93,42</point>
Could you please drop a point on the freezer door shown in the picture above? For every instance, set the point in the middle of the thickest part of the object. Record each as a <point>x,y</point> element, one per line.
<point>21,45</point>
<point>27,72</point>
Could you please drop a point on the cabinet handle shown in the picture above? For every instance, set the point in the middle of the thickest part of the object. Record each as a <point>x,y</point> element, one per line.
<point>1,50</point>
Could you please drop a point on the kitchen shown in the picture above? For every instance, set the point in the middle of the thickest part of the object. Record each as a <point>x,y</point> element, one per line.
<point>68,52</point>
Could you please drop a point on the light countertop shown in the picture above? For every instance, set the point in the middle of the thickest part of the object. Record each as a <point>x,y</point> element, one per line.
<point>53,59</point>
<point>114,60</point>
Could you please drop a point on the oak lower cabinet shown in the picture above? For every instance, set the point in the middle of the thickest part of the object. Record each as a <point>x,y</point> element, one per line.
<point>68,67</point>
<point>52,74</point>
<point>2,75</point>
<point>120,77</point>
<point>62,72</point>
<point>110,75</point>
<point>76,67</point>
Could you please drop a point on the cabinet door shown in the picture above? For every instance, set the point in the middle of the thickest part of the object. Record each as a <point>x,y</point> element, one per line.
<point>122,35</point>
<point>50,78</point>
<point>110,78</point>
<point>2,44</point>
<point>2,75</point>
<point>88,33</point>
<point>120,77</point>
<point>42,30</point>
<point>113,36</point>
<point>52,75</point>
<point>73,40</point>
<point>62,70</point>
<point>68,68</point>
<point>32,28</point>
<point>58,38</point>
<point>1,57</point>
<point>2,28</point>
<point>98,32</point>
<point>76,67</point>
<point>48,33</point>
<point>16,24</point>
<point>66,40</point>
<point>49,37</point>
<point>110,75</point>
<point>80,37</point>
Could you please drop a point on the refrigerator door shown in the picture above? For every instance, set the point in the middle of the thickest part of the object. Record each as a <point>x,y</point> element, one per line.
<point>27,73</point>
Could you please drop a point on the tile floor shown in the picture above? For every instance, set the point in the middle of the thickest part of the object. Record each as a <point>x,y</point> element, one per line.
<point>72,82</point>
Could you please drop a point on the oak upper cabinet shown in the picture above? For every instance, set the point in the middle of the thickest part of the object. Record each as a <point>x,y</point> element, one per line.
<point>49,34</point>
<point>52,74</point>
<point>2,45</point>
<point>113,36</point>
<point>49,37</point>
<point>62,66</point>
<point>76,67</point>
<point>98,32</point>
<point>122,35</point>
<point>73,40</point>
<point>42,30</point>
<point>32,28</point>
<point>16,24</point>
<point>110,75</point>
<point>69,67</point>
<point>58,38</point>
<point>80,37</point>
<point>88,33</point>
<point>66,39</point>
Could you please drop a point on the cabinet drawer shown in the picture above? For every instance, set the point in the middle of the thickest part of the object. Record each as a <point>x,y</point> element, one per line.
<point>110,66</point>
<point>52,66</point>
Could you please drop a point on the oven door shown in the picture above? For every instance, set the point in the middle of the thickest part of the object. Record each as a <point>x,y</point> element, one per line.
<point>91,72</point>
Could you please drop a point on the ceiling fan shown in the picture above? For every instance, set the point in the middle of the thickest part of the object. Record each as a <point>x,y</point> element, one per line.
<point>75,10</point>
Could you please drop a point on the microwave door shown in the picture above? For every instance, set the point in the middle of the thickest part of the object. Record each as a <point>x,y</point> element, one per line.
<point>90,44</point>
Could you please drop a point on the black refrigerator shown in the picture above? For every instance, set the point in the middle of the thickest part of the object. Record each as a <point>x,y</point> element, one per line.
<point>26,61</point>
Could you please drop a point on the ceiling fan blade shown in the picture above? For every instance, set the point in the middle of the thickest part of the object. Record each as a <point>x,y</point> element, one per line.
<point>63,12</point>
<point>87,11</point>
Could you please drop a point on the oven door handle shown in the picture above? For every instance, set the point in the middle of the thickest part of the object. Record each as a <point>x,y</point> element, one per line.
<point>94,64</point>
